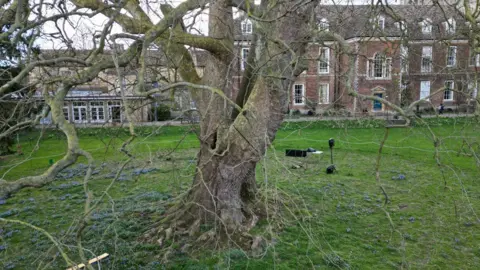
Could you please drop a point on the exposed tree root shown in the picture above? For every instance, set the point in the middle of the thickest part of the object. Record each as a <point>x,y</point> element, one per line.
<point>191,227</point>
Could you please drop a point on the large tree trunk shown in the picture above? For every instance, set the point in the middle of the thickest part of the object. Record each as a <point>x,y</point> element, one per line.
<point>224,187</point>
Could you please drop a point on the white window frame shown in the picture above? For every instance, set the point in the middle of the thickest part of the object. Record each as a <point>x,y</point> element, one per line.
<point>378,22</point>
<point>402,26</point>
<point>381,22</point>
<point>323,25</point>
<point>472,55</point>
<point>426,26</point>
<point>451,90</point>
<point>247,26</point>
<point>473,90</point>
<point>244,56</point>
<point>110,106</point>
<point>326,60</point>
<point>451,56</point>
<point>427,53</point>
<point>324,93</point>
<point>78,107</point>
<point>386,68</point>
<point>450,26</point>
<point>424,89</point>
<point>295,94</point>
<point>66,112</point>
<point>95,108</point>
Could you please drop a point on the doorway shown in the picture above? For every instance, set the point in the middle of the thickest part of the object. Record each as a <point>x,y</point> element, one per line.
<point>377,105</point>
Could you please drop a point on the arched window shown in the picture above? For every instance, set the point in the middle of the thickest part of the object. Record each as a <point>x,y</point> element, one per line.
<point>323,25</point>
<point>247,27</point>
<point>379,67</point>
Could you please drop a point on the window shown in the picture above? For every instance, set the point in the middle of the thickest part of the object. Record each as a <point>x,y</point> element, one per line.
<point>324,60</point>
<point>450,26</point>
<point>298,94</point>
<point>379,67</point>
<point>66,112</point>
<point>96,111</point>
<point>424,89</point>
<point>247,27</point>
<point>79,112</point>
<point>323,93</point>
<point>243,63</point>
<point>378,22</point>
<point>115,111</point>
<point>323,25</point>
<point>426,59</point>
<point>426,26</point>
<point>404,58</point>
<point>381,22</point>
<point>472,90</point>
<point>474,58</point>
<point>451,56</point>
<point>401,26</point>
<point>448,94</point>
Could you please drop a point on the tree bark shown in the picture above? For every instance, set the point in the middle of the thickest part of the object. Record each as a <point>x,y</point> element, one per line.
<point>224,187</point>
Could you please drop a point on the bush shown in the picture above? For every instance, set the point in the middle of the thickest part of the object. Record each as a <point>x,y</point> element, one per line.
<point>5,144</point>
<point>163,113</point>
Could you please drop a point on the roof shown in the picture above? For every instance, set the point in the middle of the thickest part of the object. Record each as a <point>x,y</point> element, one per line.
<point>358,21</point>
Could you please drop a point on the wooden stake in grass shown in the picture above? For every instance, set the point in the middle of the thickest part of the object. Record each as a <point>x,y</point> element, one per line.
<point>94,260</point>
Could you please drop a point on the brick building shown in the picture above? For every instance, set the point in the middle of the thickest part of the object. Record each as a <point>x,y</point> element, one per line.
<point>402,53</point>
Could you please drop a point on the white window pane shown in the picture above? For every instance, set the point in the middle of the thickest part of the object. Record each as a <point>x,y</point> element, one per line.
<point>426,26</point>
<point>324,60</point>
<point>424,89</point>
<point>323,94</point>
<point>426,59</point>
<point>451,56</point>
<point>323,25</point>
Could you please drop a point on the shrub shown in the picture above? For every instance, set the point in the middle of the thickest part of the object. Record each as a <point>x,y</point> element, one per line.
<point>163,113</point>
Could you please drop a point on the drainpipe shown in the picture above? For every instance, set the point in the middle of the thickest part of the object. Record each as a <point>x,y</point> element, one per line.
<point>336,85</point>
<point>400,86</point>
<point>355,80</point>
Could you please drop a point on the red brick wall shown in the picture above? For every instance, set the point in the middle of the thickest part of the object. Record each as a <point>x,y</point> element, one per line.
<point>389,87</point>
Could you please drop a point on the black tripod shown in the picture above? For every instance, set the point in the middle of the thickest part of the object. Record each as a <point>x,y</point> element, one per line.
<point>331,169</point>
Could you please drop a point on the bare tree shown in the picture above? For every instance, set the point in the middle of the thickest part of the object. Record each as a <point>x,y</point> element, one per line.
<point>234,134</point>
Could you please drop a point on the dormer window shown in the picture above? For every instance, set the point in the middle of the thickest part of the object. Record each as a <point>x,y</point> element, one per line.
<point>426,26</point>
<point>247,27</point>
<point>323,25</point>
<point>401,26</point>
<point>378,22</point>
<point>450,26</point>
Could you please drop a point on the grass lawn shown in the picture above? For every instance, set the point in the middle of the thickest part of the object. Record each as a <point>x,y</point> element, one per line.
<point>315,221</point>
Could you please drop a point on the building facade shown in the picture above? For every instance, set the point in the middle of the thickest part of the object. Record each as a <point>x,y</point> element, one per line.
<point>102,100</point>
<point>402,54</point>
